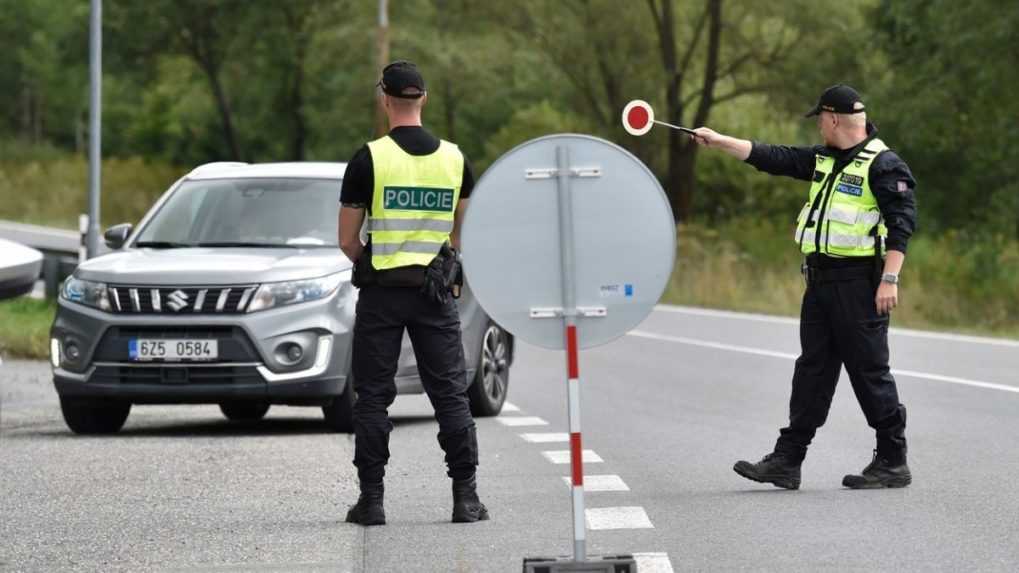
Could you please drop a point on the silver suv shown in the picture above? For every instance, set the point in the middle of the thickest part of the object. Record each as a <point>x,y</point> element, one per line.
<point>233,291</point>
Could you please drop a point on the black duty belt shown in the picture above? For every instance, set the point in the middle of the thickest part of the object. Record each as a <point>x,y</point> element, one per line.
<point>815,275</point>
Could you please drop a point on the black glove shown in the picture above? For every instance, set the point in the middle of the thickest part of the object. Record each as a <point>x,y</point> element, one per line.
<point>441,275</point>
<point>434,288</point>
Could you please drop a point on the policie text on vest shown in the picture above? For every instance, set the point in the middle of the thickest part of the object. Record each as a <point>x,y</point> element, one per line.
<point>419,198</point>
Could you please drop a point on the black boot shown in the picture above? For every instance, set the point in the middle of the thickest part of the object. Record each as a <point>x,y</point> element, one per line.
<point>368,509</point>
<point>883,471</point>
<point>467,508</point>
<point>775,468</point>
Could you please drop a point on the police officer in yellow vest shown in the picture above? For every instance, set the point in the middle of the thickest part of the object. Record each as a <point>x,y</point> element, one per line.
<point>853,230</point>
<point>413,188</point>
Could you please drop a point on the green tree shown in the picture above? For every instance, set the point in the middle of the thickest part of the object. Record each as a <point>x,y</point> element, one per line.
<point>44,76</point>
<point>698,55</point>
<point>950,105</point>
<point>281,40</point>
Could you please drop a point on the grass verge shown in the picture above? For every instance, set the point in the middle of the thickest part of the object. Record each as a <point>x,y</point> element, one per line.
<point>952,282</point>
<point>24,328</point>
<point>46,187</point>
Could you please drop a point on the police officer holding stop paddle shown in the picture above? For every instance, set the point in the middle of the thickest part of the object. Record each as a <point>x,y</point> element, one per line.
<point>853,232</point>
<point>413,189</point>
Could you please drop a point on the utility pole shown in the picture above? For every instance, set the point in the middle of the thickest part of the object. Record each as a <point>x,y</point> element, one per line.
<point>382,47</point>
<point>95,126</point>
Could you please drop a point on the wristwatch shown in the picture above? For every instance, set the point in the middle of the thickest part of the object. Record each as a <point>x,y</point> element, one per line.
<point>890,278</point>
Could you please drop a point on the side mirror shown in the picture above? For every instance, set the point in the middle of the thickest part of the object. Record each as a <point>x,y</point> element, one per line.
<point>116,235</point>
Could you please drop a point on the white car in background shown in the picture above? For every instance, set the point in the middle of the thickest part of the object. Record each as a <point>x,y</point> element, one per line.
<point>19,269</point>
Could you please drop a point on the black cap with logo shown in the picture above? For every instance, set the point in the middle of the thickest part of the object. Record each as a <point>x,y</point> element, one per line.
<point>400,76</point>
<point>838,99</point>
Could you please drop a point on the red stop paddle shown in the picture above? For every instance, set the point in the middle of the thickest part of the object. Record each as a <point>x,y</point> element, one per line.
<point>639,118</point>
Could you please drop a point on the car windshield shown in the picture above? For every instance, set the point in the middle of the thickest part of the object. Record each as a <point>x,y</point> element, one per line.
<point>270,213</point>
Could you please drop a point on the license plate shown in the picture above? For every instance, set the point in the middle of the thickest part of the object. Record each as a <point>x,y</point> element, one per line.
<point>142,349</point>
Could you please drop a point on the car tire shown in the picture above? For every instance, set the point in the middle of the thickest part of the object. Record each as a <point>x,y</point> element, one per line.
<point>491,379</point>
<point>244,411</point>
<point>94,417</point>
<point>339,414</point>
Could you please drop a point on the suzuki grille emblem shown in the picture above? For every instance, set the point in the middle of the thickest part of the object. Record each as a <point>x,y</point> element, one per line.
<point>178,300</point>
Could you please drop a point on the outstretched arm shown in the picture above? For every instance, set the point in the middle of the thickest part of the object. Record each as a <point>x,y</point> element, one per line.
<point>795,162</point>
<point>738,148</point>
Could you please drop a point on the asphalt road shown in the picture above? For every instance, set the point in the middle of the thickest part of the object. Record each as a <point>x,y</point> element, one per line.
<point>667,410</point>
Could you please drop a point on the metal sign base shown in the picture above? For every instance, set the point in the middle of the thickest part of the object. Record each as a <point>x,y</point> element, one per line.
<point>593,564</point>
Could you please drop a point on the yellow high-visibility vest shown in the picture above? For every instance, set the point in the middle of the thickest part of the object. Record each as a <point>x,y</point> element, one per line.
<point>841,217</point>
<point>413,202</point>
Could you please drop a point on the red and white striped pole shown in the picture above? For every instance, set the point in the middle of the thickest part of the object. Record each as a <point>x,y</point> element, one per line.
<point>572,371</point>
<point>576,445</point>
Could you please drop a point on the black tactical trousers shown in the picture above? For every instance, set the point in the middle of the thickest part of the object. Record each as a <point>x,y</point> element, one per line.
<point>434,329</point>
<point>840,325</point>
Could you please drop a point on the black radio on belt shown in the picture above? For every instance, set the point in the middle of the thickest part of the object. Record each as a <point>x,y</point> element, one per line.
<point>444,276</point>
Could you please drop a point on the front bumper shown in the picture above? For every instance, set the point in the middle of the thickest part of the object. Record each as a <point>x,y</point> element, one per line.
<point>313,391</point>
<point>251,366</point>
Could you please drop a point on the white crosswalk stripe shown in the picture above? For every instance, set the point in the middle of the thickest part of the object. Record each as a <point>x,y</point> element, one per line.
<point>521,421</point>
<point>563,457</point>
<point>546,437</point>
<point>653,562</point>
<point>601,483</point>
<point>618,518</point>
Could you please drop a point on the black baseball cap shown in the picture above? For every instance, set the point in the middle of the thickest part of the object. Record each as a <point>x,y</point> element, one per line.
<point>400,76</point>
<point>838,99</point>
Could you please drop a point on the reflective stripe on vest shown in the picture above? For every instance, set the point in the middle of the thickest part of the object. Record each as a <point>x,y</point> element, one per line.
<point>845,214</point>
<point>841,241</point>
<point>846,218</point>
<point>409,225</point>
<point>411,247</point>
<point>413,202</point>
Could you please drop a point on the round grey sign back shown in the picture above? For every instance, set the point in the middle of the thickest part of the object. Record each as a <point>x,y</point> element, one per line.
<point>624,240</point>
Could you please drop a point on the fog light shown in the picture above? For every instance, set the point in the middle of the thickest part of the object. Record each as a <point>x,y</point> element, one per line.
<point>289,353</point>
<point>73,354</point>
<point>55,352</point>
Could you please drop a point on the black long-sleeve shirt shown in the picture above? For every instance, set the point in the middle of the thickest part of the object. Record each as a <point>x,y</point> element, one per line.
<point>890,179</point>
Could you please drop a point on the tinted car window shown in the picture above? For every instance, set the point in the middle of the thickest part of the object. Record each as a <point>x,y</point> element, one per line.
<point>270,212</point>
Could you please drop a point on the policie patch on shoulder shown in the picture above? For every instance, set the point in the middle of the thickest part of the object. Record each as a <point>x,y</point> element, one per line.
<point>418,198</point>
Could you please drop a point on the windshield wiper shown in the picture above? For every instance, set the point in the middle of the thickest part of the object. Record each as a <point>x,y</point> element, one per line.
<point>162,245</point>
<point>243,244</point>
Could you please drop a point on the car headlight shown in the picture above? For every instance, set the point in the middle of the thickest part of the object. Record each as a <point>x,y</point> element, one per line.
<point>88,293</point>
<point>272,295</point>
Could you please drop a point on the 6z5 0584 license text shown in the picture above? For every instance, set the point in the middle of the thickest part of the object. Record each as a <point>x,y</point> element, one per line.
<point>166,349</point>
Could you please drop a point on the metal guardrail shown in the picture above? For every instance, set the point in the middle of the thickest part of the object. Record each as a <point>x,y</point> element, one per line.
<point>56,241</point>
<point>60,247</point>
